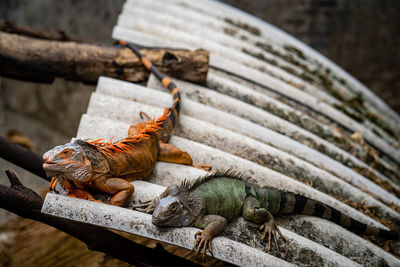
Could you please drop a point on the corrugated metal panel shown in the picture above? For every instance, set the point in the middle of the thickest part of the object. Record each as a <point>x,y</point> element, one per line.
<point>272,108</point>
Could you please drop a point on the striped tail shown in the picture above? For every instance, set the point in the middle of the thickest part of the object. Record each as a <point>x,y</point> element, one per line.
<point>297,204</point>
<point>173,111</point>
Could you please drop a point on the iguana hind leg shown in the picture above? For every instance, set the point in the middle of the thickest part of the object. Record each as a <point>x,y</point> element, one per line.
<point>120,188</point>
<point>172,154</point>
<point>253,211</point>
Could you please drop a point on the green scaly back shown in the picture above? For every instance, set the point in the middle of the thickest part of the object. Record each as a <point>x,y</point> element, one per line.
<point>223,192</point>
<point>188,185</point>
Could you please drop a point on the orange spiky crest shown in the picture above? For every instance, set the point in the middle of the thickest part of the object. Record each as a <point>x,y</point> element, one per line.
<point>144,129</point>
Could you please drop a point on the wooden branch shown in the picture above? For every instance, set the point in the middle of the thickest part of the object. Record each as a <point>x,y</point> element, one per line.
<point>26,203</point>
<point>22,157</point>
<point>37,60</point>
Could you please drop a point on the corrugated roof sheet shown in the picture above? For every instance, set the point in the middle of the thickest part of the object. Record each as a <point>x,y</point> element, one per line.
<point>273,108</point>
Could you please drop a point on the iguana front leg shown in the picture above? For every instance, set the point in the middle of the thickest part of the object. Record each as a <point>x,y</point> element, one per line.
<point>121,189</point>
<point>74,191</point>
<point>213,226</point>
<point>172,154</point>
<point>147,207</point>
<point>150,205</point>
<point>252,211</point>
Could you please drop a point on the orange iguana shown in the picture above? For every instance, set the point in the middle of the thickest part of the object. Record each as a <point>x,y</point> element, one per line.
<point>109,166</point>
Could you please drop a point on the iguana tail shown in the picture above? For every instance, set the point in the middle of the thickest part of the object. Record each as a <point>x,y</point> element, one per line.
<point>297,204</point>
<point>173,111</point>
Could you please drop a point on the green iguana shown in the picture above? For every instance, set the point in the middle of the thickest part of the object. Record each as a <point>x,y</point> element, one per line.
<point>212,201</point>
<point>109,166</point>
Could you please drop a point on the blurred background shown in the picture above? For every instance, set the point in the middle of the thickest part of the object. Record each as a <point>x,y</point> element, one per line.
<point>361,36</point>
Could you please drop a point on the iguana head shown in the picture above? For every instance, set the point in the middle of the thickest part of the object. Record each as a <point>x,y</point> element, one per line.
<point>176,208</point>
<point>67,162</point>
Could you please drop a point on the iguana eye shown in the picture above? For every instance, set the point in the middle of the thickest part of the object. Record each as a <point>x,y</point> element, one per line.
<point>174,206</point>
<point>66,153</point>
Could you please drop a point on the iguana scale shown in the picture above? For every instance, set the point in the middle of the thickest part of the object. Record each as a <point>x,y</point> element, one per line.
<point>109,166</point>
<point>212,201</point>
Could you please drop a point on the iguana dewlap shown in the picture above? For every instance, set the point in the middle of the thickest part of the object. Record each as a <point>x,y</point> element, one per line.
<point>212,201</point>
<point>109,166</point>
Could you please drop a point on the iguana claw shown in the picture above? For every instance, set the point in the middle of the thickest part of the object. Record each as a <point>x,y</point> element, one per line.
<point>53,184</point>
<point>271,228</point>
<point>147,207</point>
<point>203,240</point>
